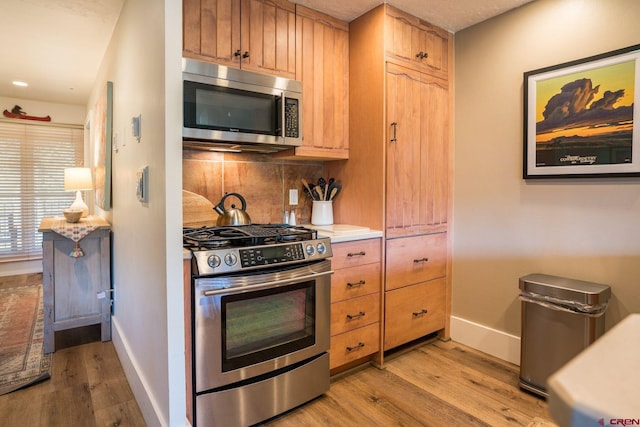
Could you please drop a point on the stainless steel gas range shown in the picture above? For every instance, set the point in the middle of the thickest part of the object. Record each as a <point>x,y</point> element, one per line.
<point>260,321</point>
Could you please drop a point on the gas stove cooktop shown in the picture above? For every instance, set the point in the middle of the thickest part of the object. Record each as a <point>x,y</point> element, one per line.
<point>203,238</point>
<point>226,249</point>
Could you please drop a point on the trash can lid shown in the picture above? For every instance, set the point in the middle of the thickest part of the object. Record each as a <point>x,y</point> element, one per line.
<point>565,288</point>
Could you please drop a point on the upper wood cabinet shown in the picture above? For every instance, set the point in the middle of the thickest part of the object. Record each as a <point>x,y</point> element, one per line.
<point>416,43</point>
<point>257,35</point>
<point>322,65</point>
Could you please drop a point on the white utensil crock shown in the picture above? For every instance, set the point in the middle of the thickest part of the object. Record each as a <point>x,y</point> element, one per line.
<point>322,212</point>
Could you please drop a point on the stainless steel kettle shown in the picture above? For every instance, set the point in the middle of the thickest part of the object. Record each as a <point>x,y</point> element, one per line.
<point>232,216</point>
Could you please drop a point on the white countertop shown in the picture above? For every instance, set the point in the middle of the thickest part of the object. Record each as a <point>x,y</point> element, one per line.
<point>345,232</point>
<point>600,383</point>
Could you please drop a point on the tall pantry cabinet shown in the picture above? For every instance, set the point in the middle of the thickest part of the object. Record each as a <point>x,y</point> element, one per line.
<point>400,164</point>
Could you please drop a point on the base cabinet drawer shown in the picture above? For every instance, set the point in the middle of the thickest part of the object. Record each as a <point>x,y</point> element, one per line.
<point>414,311</point>
<point>357,252</point>
<point>354,345</point>
<point>355,313</point>
<point>355,282</point>
<point>415,259</point>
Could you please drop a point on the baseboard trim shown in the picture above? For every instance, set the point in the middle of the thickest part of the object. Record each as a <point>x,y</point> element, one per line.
<point>488,340</point>
<point>148,406</point>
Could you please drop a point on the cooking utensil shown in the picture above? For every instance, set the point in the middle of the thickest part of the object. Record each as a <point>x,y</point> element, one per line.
<point>232,216</point>
<point>333,193</point>
<point>306,185</point>
<point>318,190</point>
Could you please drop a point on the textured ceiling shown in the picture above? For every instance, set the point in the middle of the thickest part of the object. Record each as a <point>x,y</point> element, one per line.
<point>452,15</point>
<point>57,45</point>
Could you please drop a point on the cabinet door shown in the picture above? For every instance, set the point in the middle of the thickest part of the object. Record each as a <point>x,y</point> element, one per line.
<point>403,149</point>
<point>211,30</point>
<point>417,152</point>
<point>268,36</point>
<point>322,64</point>
<point>416,43</point>
<point>413,312</point>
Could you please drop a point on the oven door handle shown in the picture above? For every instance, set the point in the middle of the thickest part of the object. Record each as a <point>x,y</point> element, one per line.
<point>271,284</point>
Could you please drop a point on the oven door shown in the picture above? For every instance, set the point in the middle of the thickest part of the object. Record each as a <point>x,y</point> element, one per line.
<point>253,324</point>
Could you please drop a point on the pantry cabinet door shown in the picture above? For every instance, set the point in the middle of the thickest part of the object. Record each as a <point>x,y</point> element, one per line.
<point>417,152</point>
<point>434,143</point>
<point>403,149</point>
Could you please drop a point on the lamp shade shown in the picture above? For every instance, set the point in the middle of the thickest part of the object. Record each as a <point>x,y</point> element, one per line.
<point>77,179</point>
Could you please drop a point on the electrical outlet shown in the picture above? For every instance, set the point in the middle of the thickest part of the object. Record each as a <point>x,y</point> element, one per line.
<point>293,197</point>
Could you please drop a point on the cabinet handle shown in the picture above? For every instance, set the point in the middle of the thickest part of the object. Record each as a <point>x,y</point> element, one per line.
<point>420,313</point>
<point>352,285</point>
<point>352,254</point>
<point>245,54</point>
<point>395,128</point>
<point>355,316</point>
<point>417,261</point>
<point>236,53</point>
<point>360,345</point>
<point>422,55</point>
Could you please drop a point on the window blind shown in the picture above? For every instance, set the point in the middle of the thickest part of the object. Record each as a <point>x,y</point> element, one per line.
<point>32,162</point>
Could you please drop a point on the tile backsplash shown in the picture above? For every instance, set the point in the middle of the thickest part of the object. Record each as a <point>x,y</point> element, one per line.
<point>262,180</point>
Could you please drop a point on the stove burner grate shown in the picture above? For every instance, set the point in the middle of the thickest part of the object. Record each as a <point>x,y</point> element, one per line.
<point>204,238</point>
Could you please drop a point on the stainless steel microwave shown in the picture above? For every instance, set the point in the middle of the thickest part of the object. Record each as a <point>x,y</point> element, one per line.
<point>227,109</point>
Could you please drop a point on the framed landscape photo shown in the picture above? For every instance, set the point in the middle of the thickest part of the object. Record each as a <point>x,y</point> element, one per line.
<point>579,118</point>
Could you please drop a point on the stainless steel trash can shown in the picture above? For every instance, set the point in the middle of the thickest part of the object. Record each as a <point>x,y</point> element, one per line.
<point>560,318</point>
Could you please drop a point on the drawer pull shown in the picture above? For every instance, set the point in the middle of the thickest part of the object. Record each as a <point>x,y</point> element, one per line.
<point>351,254</point>
<point>420,313</point>
<point>355,316</point>
<point>417,261</point>
<point>360,345</point>
<point>352,285</point>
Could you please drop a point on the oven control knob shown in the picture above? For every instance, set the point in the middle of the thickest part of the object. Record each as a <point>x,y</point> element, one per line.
<point>230,259</point>
<point>213,261</point>
<point>322,248</point>
<point>310,250</point>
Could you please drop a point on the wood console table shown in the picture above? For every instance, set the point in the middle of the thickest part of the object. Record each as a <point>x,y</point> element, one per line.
<point>76,276</point>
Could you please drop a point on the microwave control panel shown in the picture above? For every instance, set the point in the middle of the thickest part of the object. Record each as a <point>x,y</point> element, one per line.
<point>291,118</point>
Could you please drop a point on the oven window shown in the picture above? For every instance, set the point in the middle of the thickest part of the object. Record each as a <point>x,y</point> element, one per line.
<point>262,325</point>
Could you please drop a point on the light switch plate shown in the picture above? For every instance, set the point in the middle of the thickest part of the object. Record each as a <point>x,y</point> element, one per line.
<point>293,197</point>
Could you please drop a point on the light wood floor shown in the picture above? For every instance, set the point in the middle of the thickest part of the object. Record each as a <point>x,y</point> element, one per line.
<point>435,384</point>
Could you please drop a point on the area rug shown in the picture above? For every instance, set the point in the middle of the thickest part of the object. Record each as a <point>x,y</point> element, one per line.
<point>22,358</point>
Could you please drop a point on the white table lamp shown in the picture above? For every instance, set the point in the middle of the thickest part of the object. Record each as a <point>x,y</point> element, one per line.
<point>78,179</point>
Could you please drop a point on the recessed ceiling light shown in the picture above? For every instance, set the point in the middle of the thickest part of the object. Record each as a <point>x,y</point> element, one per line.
<point>18,83</point>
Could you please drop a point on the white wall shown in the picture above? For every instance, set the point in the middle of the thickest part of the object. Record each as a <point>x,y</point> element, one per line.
<point>505,227</point>
<point>143,62</point>
<point>60,113</point>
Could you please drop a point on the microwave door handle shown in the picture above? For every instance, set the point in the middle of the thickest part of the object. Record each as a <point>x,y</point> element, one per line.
<point>272,284</point>
<point>283,125</point>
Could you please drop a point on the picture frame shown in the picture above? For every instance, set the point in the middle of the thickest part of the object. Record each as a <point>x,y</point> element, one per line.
<point>580,120</point>
<point>102,134</point>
